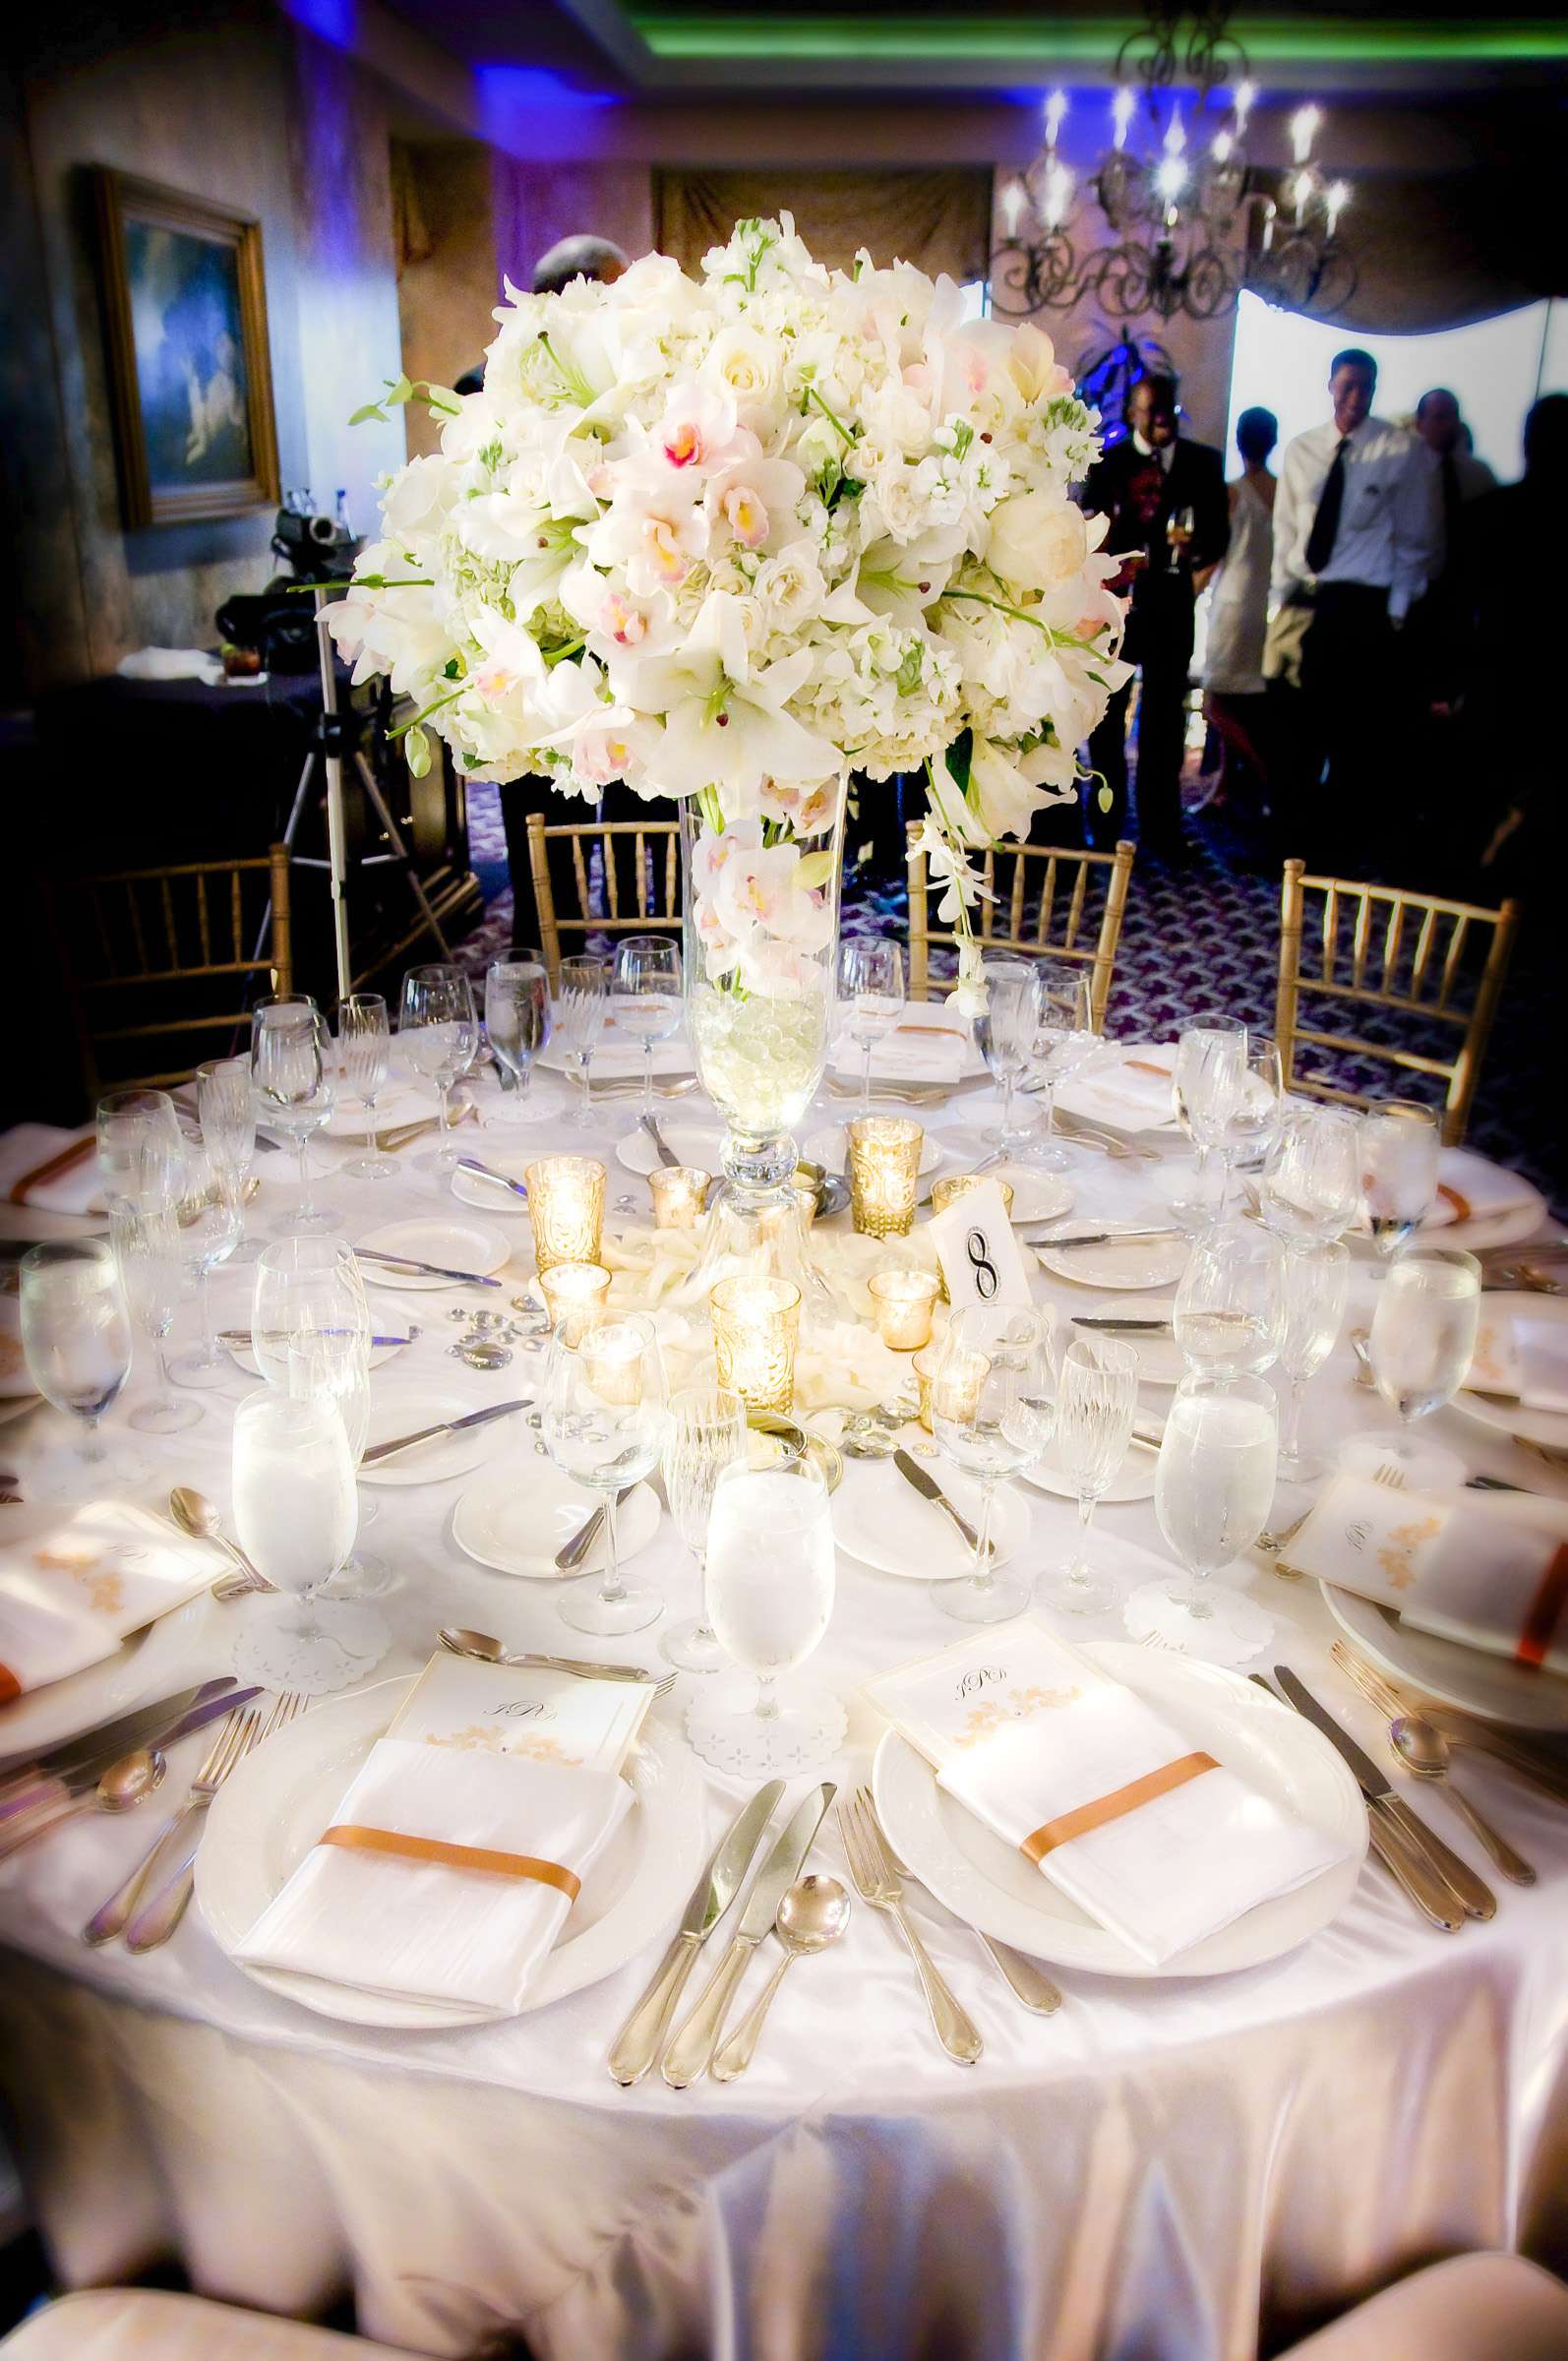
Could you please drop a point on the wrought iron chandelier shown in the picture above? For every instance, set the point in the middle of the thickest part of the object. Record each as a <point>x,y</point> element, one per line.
<point>1190,226</point>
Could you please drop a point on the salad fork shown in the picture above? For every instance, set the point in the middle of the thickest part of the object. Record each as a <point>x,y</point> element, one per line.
<point>880,1887</point>
<point>173,1860</point>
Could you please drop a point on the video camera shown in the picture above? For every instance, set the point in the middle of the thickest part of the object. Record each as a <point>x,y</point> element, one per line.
<point>278,622</point>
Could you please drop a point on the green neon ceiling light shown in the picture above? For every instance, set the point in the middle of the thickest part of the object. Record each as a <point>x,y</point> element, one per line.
<point>1320,41</point>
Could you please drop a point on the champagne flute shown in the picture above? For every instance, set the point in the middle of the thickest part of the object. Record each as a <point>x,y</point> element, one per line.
<point>707,1430</point>
<point>207,1210</point>
<point>1316,1283</point>
<point>646,996</point>
<point>125,1121</point>
<point>1228,1304</point>
<point>581,987</point>
<point>1063,1039</point>
<point>147,1254</point>
<point>364,1046</point>
<point>1420,1349</point>
<point>1004,1033</point>
<point>769,1583</point>
<point>1400,1143</point>
<point>604,1427</point>
<point>438,1030</point>
<point>76,1340</point>
<point>871,998</point>
<point>333,1365</point>
<point>991,1414</point>
<point>1179,527</point>
<point>518,1018</point>
<point>1312,1187</point>
<point>1097,1399</point>
<point>295,1516</point>
<point>225,1109</point>
<point>293,1086</point>
<point>1213,1487</point>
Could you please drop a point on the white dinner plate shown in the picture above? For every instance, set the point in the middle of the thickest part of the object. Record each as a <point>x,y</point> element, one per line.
<point>618,1057</point>
<point>879,1518</point>
<point>1547,1426</point>
<point>992,1887</point>
<point>180,1647</point>
<point>1133,1480</point>
<point>455,1243</point>
<point>1140,1262</point>
<point>267,1817</point>
<point>1037,1196</point>
<point>1159,1357</point>
<point>695,1144</point>
<point>403,1409</point>
<point>516,1517</point>
<point>829,1147</point>
<point>398,1103</point>
<point>488,1196</point>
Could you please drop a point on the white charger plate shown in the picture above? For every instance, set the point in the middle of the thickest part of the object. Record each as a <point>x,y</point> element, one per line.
<point>403,1409</point>
<point>398,1103</point>
<point>266,1818</point>
<point>488,1196</point>
<point>1037,1196</point>
<point>516,1518</point>
<point>992,1887</point>
<point>829,1147</point>
<point>1133,1480</point>
<point>1547,1426</point>
<point>455,1243</point>
<point>695,1144</point>
<point>1142,1262</point>
<point>879,1518</point>
<point>181,1647</point>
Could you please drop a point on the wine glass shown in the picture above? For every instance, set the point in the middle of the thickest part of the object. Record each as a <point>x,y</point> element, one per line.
<point>646,996</point>
<point>1097,1399</point>
<point>1418,1349</point>
<point>707,1430</point>
<point>207,1211</point>
<point>1228,1304</point>
<point>1064,1039</point>
<point>294,1515</point>
<point>364,1049</point>
<point>125,1121</point>
<point>304,1286</point>
<point>1004,1033</point>
<point>1399,1143</point>
<point>769,1584</point>
<point>992,1413</point>
<point>1316,1282</point>
<point>1251,1124</point>
<point>293,1085</point>
<point>147,1254</point>
<point>1312,1187</point>
<point>580,986</point>
<point>1206,1082</point>
<point>76,1340</point>
<point>1213,1487</point>
<point>604,1425</point>
<point>333,1365</point>
<point>871,998</point>
<point>518,1018</point>
<point>225,1109</point>
<point>1178,531</point>
<point>438,1030</point>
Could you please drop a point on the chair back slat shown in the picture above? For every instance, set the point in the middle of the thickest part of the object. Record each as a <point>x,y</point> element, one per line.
<point>1015,907</point>
<point>1393,937</point>
<point>137,937</point>
<point>564,932</point>
<point>203,926</point>
<point>1079,936</point>
<point>1069,932</point>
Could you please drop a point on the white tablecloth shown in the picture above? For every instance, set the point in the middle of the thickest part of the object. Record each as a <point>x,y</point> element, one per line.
<point>1149,2173</point>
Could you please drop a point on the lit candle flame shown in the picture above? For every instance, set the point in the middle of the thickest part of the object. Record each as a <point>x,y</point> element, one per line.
<point>1012,206</point>
<point>1056,108</point>
<point>1223,144</point>
<point>1338,198</point>
<point>1122,106</point>
<point>1305,124</point>
<point>1244,101</point>
<point>1059,196</point>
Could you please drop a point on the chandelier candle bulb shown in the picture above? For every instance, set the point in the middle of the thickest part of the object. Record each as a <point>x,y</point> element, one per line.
<point>1305,124</point>
<point>1122,111</point>
<point>756,1328</point>
<point>903,1301</point>
<point>680,1194</point>
<point>884,1174</point>
<point>566,1206</point>
<point>571,1289</point>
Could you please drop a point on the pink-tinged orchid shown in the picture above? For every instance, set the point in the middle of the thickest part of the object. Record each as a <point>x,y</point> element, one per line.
<point>725,724</point>
<point>653,538</point>
<point>698,428</point>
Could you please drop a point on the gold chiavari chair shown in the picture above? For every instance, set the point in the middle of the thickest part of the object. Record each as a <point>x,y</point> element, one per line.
<point>639,871</point>
<point>163,955</point>
<point>1436,962</point>
<point>1052,901</point>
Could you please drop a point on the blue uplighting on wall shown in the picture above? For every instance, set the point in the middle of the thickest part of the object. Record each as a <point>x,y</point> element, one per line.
<point>537,115</point>
<point>535,90</point>
<point>334,20</point>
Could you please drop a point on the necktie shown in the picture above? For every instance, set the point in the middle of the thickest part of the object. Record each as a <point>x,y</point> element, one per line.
<point>1326,524</point>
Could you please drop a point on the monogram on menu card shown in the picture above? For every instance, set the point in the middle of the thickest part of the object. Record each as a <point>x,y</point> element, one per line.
<point>994,1713</point>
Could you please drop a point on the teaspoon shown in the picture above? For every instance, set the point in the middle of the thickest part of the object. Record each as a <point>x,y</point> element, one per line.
<point>196,1516</point>
<point>485,1649</point>
<point>813,1914</point>
<point>1423,1749</point>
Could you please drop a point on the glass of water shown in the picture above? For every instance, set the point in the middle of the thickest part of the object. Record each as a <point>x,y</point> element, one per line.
<point>517,1021</point>
<point>1228,1304</point>
<point>1213,1487</point>
<point>295,1518</point>
<point>646,996</point>
<point>1419,1347</point>
<point>769,1583</point>
<point>1400,1144</point>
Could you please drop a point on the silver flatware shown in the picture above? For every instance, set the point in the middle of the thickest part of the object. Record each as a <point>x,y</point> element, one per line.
<point>1547,1774</point>
<point>1473,1894</point>
<point>120,1789</point>
<point>487,1171</point>
<point>113,1914</point>
<point>245,1338</point>
<point>197,1516</point>
<point>636,2045</point>
<point>171,1874</point>
<point>1112,1324</point>
<point>1030,1985</point>
<point>694,2045</point>
<point>425,1270</point>
<point>666,1155</point>
<point>813,1914</point>
<point>484,1649</point>
<point>929,1490</point>
<point>426,1434</point>
<point>1424,1750</point>
<point>576,1550</point>
<point>95,1749</point>
<point>878,1880</point>
<point>1101,1238</point>
<point>76,1791</point>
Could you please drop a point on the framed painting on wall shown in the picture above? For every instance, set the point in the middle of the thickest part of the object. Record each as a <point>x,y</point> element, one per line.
<point>190,376</point>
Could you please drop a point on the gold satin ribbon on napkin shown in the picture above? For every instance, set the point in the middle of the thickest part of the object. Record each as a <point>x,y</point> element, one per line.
<point>1089,1816</point>
<point>1146,1066</point>
<point>354,1839</point>
<point>10,1686</point>
<point>1545,1611</point>
<point>54,1168</point>
<point>1462,1207</point>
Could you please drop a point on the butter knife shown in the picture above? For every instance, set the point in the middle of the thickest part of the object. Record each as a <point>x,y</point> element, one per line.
<point>425,1270</point>
<point>666,1156</point>
<point>637,2044</point>
<point>426,1434</point>
<point>245,1338</point>
<point>694,2045</point>
<point>929,1490</point>
<point>587,1532</point>
<point>1112,1324</point>
<point>487,1171</point>
<point>1102,1238</point>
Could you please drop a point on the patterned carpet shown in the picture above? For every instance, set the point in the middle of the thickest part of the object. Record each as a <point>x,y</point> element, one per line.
<point>1206,937</point>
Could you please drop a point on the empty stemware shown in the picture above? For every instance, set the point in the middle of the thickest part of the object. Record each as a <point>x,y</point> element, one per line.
<point>1312,1184</point>
<point>1228,1304</point>
<point>871,998</point>
<point>127,1119</point>
<point>1064,1040</point>
<point>1097,1399</point>
<point>707,1430</point>
<point>1206,1086</point>
<point>304,1286</point>
<point>581,987</point>
<point>225,1110</point>
<point>76,1340</point>
<point>604,1425</point>
<point>1004,1034</point>
<point>438,1031</point>
<point>991,1414</point>
<point>146,1252</point>
<point>1316,1282</point>
<point>207,1211</point>
<point>293,1086</point>
<point>364,1048</point>
<point>646,996</point>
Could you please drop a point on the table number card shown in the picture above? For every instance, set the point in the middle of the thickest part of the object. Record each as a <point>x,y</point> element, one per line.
<point>978,1250</point>
<point>513,1710</point>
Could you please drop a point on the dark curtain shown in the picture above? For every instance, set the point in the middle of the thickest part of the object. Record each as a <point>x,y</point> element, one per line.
<point>938,219</point>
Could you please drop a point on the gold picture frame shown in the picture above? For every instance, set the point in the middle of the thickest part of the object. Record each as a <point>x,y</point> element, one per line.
<point>190,370</point>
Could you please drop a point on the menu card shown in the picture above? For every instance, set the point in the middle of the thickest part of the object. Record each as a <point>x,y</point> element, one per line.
<point>69,1596</point>
<point>523,1711</point>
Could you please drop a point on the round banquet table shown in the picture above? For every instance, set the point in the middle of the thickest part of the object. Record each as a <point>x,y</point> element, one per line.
<point>1171,2170</point>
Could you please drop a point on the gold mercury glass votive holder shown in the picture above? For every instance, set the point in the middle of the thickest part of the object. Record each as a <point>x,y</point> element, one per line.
<point>755,1324</point>
<point>680,1195</point>
<point>611,1361</point>
<point>963,1184</point>
<point>903,1301</point>
<point>565,1205</point>
<point>571,1292</point>
<point>924,1366</point>
<point>884,1174</point>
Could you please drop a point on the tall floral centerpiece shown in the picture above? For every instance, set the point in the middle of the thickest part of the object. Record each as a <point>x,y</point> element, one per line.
<point>733,540</point>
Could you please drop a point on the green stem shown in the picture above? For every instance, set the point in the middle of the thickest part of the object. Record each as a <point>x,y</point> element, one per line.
<point>1020,615</point>
<point>836,423</point>
<point>403,727</point>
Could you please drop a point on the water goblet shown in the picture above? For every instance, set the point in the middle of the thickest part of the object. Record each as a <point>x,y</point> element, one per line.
<point>438,1030</point>
<point>646,996</point>
<point>1206,1084</point>
<point>1315,1284</point>
<point>1251,1124</point>
<point>1004,1033</point>
<point>1213,1487</point>
<point>517,1021</point>
<point>333,1365</point>
<point>304,1286</point>
<point>1312,1184</point>
<point>1400,1144</point>
<point>991,1414</point>
<point>125,1121</point>
<point>707,1432</point>
<point>769,1586</point>
<point>1419,1347</point>
<point>293,1086</point>
<point>364,1048</point>
<point>75,1341</point>
<point>1229,1303</point>
<point>147,1254</point>
<point>581,988</point>
<point>871,998</point>
<point>603,1424</point>
<point>1097,1399</point>
<point>1064,1039</point>
<point>296,1519</point>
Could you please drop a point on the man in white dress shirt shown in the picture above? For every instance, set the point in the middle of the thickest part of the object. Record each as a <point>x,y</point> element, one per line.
<point>1358,531</point>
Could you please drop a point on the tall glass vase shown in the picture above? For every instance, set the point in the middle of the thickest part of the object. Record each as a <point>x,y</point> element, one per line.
<point>762,899</point>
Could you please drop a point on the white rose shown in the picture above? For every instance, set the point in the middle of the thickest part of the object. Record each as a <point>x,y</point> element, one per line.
<point>1037,540</point>
<point>741,364</point>
<point>791,587</point>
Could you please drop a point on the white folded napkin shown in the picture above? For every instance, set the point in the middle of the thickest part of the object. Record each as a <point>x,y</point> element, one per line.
<point>1130,1089</point>
<point>928,1044</point>
<point>1477,1575</point>
<point>619,1056</point>
<point>1524,1357</point>
<point>1468,1189</point>
<point>453,1934</point>
<point>56,1171</point>
<point>399,1103</point>
<point>171,664</point>
<point>69,1596</point>
<point>1141,1829</point>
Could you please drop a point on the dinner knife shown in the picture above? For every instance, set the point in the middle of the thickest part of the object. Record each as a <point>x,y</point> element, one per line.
<point>487,1171</point>
<point>639,2042</point>
<point>1102,1238</point>
<point>587,1532</point>
<point>425,1270</point>
<point>74,1794</point>
<point>425,1434</point>
<point>694,2045</point>
<point>666,1154</point>
<point>929,1490</point>
<point>1477,1898</point>
<point>109,1741</point>
<point>1112,1324</point>
<point>245,1338</point>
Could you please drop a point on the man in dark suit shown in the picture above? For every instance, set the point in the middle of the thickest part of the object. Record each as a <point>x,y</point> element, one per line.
<point>1171,520</point>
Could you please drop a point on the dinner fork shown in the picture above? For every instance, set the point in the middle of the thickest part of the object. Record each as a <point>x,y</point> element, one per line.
<point>174,1859</point>
<point>879,1885</point>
